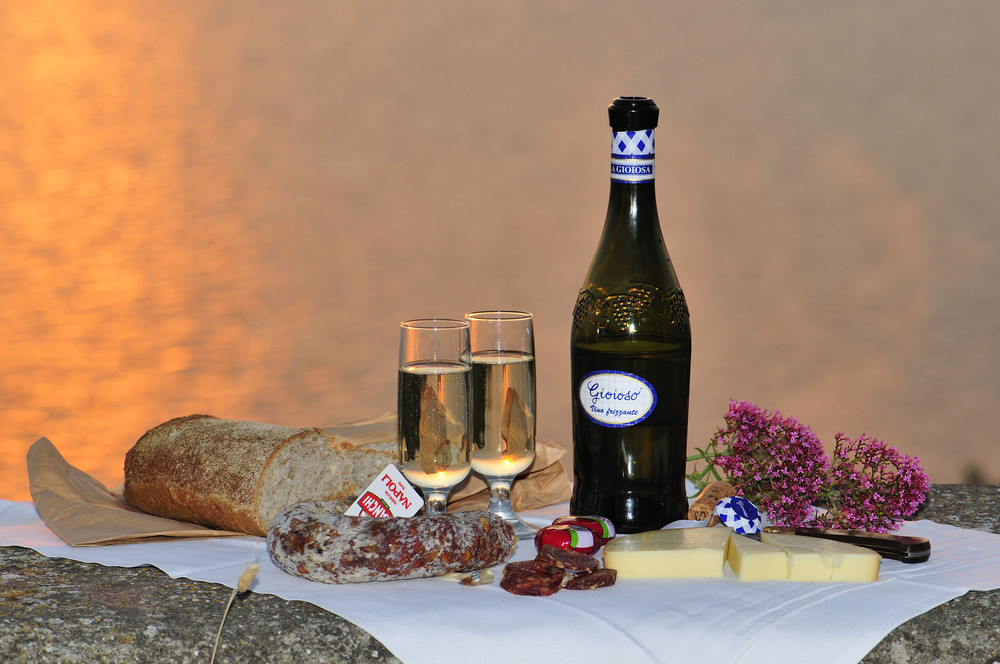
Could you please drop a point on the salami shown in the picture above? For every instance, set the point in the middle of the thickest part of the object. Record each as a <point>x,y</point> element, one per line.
<point>567,559</point>
<point>598,578</point>
<point>316,541</point>
<point>554,568</point>
<point>529,577</point>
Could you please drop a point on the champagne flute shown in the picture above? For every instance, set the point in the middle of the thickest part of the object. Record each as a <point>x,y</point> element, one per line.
<point>503,405</point>
<point>433,407</point>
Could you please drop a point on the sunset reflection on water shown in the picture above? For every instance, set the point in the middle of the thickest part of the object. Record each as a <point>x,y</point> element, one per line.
<point>110,299</point>
<point>227,208</point>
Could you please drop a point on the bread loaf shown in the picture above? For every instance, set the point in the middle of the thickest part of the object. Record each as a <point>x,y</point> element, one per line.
<point>238,475</point>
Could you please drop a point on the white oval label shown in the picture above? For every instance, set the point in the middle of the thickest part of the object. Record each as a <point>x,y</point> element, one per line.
<point>616,398</point>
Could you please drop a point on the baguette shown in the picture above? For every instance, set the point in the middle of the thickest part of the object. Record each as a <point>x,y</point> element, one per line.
<point>238,475</point>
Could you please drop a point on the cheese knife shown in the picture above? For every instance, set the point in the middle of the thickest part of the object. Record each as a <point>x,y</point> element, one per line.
<point>906,548</point>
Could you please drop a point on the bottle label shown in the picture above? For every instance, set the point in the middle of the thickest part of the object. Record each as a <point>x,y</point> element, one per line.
<point>632,155</point>
<point>616,398</point>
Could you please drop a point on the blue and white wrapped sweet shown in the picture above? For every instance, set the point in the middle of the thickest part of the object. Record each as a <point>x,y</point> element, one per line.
<point>739,514</point>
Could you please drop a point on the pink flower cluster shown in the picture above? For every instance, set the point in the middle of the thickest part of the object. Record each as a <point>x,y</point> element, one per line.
<point>780,465</point>
<point>773,459</point>
<point>871,486</point>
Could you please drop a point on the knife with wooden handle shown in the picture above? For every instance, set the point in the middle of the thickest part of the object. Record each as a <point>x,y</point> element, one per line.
<point>906,548</point>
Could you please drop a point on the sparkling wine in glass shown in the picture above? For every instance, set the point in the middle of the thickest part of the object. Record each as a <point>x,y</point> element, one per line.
<point>433,407</point>
<point>503,405</point>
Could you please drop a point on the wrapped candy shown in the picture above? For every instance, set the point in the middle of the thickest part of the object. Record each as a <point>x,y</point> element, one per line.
<point>602,527</point>
<point>563,536</point>
<point>739,514</point>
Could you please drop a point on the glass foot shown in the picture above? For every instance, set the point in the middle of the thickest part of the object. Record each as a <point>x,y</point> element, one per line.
<point>524,531</point>
<point>500,505</point>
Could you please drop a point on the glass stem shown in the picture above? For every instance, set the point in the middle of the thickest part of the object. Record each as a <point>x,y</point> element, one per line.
<point>436,503</point>
<point>500,499</point>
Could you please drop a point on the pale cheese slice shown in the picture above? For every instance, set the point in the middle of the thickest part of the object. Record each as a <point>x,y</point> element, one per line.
<point>673,553</point>
<point>815,559</point>
<point>751,560</point>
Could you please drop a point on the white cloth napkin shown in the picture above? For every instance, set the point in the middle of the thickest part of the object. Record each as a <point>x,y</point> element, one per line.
<point>703,620</point>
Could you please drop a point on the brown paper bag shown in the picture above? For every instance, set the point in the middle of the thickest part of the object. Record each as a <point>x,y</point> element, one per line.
<point>544,483</point>
<point>83,512</point>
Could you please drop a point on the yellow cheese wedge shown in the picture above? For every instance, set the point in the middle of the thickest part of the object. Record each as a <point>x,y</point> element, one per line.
<point>815,559</point>
<point>674,553</point>
<point>755,561</point>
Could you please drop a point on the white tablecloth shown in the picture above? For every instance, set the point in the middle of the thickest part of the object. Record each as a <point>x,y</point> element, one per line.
<point>703,620</point>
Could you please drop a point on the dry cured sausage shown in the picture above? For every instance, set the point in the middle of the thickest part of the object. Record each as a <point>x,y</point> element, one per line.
<point>316,541</point>
<point>554,568</point>
<point>598,578</point>
<point>529,577</point>
<point>567,559</point>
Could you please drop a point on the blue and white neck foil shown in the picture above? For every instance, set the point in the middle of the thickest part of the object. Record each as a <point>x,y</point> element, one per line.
<point>632,155</point>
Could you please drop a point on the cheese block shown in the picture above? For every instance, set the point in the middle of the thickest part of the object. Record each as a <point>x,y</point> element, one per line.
<point>755,561</point>
<point>815,559</point>
<point>673,553</point>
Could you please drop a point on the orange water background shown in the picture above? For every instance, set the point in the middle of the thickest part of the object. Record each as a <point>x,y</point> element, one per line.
<point>227,208</point>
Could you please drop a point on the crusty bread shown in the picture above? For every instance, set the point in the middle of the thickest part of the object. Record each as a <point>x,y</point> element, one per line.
<point>238,475</point>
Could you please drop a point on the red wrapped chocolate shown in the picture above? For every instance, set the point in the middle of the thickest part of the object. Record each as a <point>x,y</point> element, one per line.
<point>564,536</point>
<point>602,528</point>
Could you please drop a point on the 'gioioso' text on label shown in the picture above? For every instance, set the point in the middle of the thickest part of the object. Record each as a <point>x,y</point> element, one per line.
<point>616,398</point>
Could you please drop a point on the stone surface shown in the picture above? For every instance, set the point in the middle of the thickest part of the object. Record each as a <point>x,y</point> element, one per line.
<point>966,629</point>
<point>56,610</point>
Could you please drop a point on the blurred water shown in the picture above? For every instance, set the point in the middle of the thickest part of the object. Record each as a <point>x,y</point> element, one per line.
<point>228,208</point>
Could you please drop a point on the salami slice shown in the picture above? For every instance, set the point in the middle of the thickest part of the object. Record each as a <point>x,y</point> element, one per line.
<point>567,559</point>
<point>524,566</point>
<point>530,578</point>
<point>598,578</point>
<point>316,541</point>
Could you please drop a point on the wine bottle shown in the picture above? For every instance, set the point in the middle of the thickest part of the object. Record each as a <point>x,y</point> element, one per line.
<point>631,349</point>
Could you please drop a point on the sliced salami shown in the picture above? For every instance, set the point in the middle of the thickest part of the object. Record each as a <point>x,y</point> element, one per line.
<point>525,565</point>
<point>530,578</point>
<point>567,559</point>
<point>598,578</point>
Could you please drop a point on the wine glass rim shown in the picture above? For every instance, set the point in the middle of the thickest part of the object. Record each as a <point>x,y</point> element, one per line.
<point>435,324</point>
<point>499,314</point>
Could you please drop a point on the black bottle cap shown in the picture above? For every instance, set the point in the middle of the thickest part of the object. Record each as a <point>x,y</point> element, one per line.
<point>633,113</point>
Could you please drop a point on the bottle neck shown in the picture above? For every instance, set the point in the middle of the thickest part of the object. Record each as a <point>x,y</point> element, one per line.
<point>632,154</point>
<point>631,270</point>
<point>634,203</point>
<point>633,192</point>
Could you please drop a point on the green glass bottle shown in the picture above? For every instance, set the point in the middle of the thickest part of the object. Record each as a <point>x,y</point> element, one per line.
<point>631,349</point>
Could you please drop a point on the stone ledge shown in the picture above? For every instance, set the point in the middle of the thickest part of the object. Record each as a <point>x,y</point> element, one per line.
<point>58,610</point>
<point>965,629</point>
